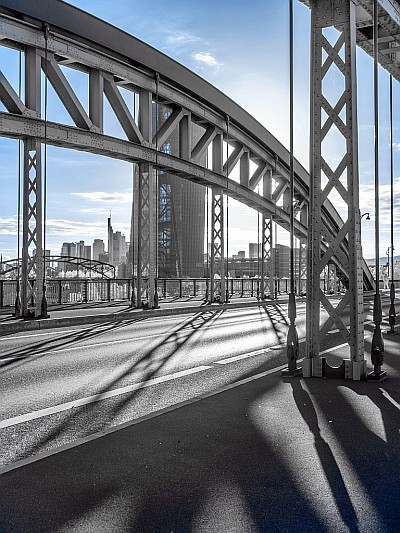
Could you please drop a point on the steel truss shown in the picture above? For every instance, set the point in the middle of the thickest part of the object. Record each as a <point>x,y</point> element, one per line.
<point>145,244</point>
<point>32,252</point>
<point>343,180</point>
<point>267,263</point>
<point>197,107</point>
<point>217,264</point>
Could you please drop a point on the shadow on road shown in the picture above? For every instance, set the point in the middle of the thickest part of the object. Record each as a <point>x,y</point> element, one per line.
<point>269,456</point>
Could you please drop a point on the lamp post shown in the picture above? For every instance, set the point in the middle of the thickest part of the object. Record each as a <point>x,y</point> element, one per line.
<point>377,347</point>
<point>292,342</point>
<point>392,310</point>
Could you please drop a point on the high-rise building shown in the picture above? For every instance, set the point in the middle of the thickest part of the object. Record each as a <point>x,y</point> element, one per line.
<point>255,250</point>
<point>98,249</point>
<point>116,246</point>
<point>87,251</point>
<point>68,249</point>
<point>181,213</point>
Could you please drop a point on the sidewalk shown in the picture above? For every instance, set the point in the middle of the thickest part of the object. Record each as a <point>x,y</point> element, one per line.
<point>264,455</point>
<point>97,312</point>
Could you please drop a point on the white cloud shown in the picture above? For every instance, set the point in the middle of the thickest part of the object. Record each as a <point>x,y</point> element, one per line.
<point>8,225</point>
<point>206,58</point>
<point>72,227</point>
<point>180,39</point>
<point>98,196</point>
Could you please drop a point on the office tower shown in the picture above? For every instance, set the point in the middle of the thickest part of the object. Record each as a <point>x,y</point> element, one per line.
<point>98,249</point>
<point>181,214</point>
<point>255,250</point>
<point>116,246</point>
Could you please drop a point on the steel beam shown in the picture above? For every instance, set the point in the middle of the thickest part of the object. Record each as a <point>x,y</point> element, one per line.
<point>339,13</point>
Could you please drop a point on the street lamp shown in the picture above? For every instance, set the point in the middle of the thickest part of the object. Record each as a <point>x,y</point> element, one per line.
<point>366,215</point>
<point>392,310</point>
<point>292,342</point>
<point>388,253</point>
<point>377,346</point>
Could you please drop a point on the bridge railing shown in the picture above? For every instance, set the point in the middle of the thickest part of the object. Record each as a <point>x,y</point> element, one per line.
<point>109,290</point>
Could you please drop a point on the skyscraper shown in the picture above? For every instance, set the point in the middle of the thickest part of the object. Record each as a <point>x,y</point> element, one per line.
<point>98,248</point>
<point>116,246</point>
<point>181,215</point>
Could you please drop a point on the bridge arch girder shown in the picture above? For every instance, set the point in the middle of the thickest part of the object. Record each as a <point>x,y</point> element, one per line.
<point>120,60</point>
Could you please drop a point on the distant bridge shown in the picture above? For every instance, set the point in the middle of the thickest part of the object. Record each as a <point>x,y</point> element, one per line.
<point>12,267</point>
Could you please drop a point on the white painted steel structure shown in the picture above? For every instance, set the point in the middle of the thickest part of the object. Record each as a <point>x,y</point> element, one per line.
<point>53,34</point>
<point>354,21</point>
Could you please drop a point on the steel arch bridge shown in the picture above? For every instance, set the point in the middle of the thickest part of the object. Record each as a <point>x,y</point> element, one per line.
<point>53,34</point>
<point>12,267</point>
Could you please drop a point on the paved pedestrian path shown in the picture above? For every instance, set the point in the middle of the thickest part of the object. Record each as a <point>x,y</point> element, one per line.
<point>77,314</point>
<point>267,454</point>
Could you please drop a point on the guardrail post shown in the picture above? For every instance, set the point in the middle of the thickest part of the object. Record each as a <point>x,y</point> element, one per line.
<point>86,291</point>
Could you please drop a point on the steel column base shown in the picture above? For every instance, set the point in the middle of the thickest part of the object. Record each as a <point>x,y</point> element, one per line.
<point>292,373</point>
<point>355,370</point>
<point>318,367</point>
<point>381,376</point>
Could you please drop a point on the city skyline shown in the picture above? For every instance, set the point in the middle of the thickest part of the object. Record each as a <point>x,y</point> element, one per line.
<point>82,188</point>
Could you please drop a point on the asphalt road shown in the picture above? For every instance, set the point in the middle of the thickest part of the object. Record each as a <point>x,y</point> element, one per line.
<point>61,385</point>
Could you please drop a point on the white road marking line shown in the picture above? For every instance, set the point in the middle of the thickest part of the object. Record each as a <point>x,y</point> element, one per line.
<point>241,356</point>
<point>114,429</point>
<point>388,397</point>
<point>97,397</point>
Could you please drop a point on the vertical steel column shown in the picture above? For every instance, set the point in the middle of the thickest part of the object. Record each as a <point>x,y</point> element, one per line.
<point>292,341</point>
<point>392,309</point>
<point>267,278</point>
<point>145,213</point>
<point>32,272</point>
<point>96,91</point>
<point>303,255</point>
<point>217,269</point>
<point>341,14</point>
<point>217,266</point>
<point>134,234</point>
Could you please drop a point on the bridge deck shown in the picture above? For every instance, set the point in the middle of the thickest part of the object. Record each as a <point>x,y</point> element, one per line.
<point>260,455</point>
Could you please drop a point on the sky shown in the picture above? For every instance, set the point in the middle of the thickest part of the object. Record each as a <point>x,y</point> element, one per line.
<point>243,52</point>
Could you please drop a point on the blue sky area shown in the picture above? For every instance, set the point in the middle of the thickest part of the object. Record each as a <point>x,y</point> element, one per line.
<point>245,53</point>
